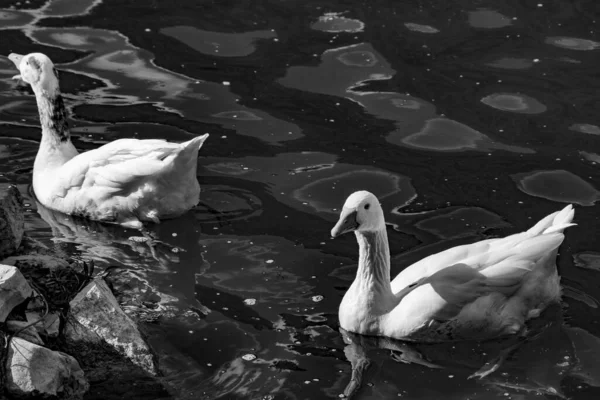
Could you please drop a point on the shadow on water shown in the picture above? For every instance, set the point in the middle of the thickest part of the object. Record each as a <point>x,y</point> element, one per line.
<point>468,120</point>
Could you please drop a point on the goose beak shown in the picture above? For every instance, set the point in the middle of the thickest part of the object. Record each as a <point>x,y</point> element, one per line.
<point>347,223</point>
<point>16,59</point>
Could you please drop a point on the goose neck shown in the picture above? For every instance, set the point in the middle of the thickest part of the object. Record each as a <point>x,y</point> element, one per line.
<point>53,116</point>
<point>374,260</point>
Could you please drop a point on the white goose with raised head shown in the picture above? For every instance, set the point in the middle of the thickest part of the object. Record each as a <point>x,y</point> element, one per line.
<point>127,181</point>
<point>476,291</point>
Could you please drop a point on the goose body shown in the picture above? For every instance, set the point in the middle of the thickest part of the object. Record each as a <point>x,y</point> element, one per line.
<point>476,291</point>
<point>126,182</point>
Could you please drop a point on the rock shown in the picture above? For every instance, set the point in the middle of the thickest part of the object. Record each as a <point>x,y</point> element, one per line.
<point>11,219</point>
<point>28,262</point>
<point>14,289</point>
<point>29,333</point>
<point>35,370</point>
<point>48,325</point>
<point>52,324</point>
<point>33,255</point>
<point>96,317</point>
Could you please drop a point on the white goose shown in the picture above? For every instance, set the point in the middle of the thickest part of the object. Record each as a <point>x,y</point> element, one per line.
<point>126,182</point>
<point>476,291</point>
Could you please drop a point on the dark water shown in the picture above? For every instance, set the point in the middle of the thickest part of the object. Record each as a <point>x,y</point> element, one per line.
<point>469,119</point>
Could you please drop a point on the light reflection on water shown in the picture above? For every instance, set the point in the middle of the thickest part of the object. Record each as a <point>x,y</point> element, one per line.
<point>120,65</point>
<point>347,72</point>
<point>218,43</point>
<point>468,122</point>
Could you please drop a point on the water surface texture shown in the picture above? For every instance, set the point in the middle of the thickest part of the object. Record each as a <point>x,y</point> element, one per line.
<point>469,119</point>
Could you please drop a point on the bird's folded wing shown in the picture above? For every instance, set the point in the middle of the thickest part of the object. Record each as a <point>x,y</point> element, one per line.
<point>118,164</point>
<point>445,293</point>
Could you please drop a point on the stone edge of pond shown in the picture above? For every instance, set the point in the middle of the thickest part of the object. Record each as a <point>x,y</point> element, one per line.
<point>63,333</point>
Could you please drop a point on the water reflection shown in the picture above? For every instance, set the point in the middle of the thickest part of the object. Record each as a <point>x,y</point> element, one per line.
<point>586,128</point>
<point>155,265</point>
<point>443,134</point>
<point>489,19</point>
<point>266,286</point>
<point>421,28</point>
<point>340,69</point>
<point>586,348</point>
<point>587,260</point>
<point>218,43</point>
<point>254,268</point>
<point>11,19</point>
<point>24,18</point>
<point>238,115</point>
<point>573,43</point>
<point>462,222</point>
<point>119,66</point>
<point>551,354</point>
<point>66,8</point>
<point>571,292</point>
<point>511,63</point>
<point>591,157</point>
<point>223,204</point>
<point>105,243</point>
<point>336,22</point>
<point>358,58</point>
<point>315,179</point>
<point>557,185</point>
<point>514,102</point>
<point>346,71</point>
<point>17,156</point>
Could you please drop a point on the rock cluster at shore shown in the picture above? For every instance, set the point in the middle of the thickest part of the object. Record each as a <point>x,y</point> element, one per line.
<point>49,303</point>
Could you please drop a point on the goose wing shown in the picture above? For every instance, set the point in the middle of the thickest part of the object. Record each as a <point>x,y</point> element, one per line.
<point>445,282</point>
<point>118,166</point>
<point>443,294</point>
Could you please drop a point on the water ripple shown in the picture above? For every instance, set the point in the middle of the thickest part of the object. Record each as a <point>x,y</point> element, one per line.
<point>557,185</point>
<point>336,22</point>
<point>347,71</point>
<point>218,43</point>
<point>315,181</point>
<point>514,102</point>
<point>489,19</point>
<point>443,134</point>
<point>421,28</point>
<point>120,66</point>
<point>572,43</point>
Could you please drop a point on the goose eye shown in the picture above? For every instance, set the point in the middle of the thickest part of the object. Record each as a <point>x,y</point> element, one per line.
<point>367,206</point>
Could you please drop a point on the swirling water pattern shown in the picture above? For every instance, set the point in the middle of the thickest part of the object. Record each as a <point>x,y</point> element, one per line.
<point>468,119</point>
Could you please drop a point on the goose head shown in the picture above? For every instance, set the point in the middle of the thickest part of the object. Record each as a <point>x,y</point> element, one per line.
<point>361,212</point>
<point>37,70</point>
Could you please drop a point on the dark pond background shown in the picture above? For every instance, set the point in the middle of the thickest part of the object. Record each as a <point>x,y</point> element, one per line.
<point>469,119</point>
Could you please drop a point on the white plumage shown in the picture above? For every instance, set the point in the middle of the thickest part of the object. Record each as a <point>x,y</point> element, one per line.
<point>476,291</point>
<point>127,181</point>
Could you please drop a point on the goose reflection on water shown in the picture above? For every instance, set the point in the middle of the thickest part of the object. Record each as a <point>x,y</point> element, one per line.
<point>107,243</point>
<point>539,363</point>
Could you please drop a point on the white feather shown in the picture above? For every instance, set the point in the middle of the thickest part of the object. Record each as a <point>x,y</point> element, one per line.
<point>479,290</point>
<point>127,181</point>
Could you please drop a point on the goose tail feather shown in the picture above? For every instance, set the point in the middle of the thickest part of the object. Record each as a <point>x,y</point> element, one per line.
<point>196,143</point>
<point>188,154</point>
<point>554,223</point>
